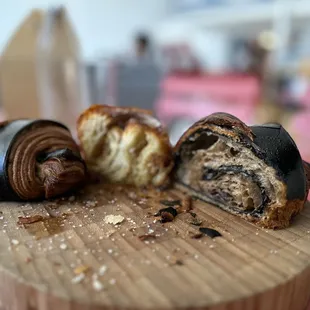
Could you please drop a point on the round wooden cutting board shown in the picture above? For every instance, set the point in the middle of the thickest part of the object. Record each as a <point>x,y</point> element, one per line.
<point>71,254</point>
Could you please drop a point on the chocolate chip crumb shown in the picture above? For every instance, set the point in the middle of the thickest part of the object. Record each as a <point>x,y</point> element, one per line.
<point>167,214</point>
<point>212,233</point>
<point>166,217</point>
<point>179,262</point>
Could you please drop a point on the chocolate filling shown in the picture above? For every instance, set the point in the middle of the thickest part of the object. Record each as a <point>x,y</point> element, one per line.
<point>253,206</point>
<point>227,174</point>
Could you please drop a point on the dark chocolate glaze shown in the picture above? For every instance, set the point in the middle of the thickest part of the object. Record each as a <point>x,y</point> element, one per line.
<point>281,153</point>
<point>210,232</point>
<point>9,132</point>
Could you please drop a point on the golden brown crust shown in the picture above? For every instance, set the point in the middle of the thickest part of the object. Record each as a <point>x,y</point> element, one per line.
<point>221,123</point>
<point>115,112</point>
<point>277,218</point>
<point>142,154</point>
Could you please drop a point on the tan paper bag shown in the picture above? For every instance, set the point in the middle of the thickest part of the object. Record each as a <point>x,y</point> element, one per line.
<point>40,69</point>
<point>18,77</point>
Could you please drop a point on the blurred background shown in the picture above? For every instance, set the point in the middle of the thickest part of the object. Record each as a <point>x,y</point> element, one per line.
<point>183,59</point>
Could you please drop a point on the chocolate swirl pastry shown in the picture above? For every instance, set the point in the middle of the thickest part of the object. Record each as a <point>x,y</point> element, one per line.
<point>255,172</point>
<point>39,159</point>
<point>125,145</point>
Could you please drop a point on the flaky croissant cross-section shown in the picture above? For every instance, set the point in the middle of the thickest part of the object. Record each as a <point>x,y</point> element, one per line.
<point>255,172</point>
<point>39,159</point>
<point>125,145</point>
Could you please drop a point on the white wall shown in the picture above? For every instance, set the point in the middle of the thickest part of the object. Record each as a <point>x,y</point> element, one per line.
<point>103,26</point>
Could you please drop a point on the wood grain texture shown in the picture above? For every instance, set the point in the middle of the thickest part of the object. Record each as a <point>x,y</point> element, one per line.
<point>247,269</point>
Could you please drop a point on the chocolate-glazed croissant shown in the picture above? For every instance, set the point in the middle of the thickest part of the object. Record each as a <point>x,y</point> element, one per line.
<point>255,172</point>
<point>126,145</point>
<point>39,159</point>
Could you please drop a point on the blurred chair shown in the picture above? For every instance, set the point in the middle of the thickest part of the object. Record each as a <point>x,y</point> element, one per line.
<point>137,84</point>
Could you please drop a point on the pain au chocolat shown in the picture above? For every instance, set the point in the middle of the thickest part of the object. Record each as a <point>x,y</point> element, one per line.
<point>125,145</point>
<point>255,172</point>
<point>38,159</point>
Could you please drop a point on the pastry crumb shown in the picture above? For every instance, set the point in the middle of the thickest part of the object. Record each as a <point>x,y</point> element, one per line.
<point>114,219</point>
<point>79,278</point>
<point>29,219</point>
<point>112,281</point>
<point>102,270</point>
<point>97,285</point>
<point>63,246</point>
<point>81,269</point>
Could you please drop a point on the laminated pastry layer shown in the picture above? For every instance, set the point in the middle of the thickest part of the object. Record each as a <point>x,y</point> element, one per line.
<point>40,159</point>
<point>125,145</point>
<point>229,174</point>
<point>255,172</point>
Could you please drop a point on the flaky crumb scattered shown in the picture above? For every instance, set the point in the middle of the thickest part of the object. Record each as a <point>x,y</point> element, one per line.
<point>102,270</point>
<point>97,285</point>
<point>81,269</point>
<point>15,242</point>
<point>114,219</point>
<point>79,278</point>
<point>63,246</point>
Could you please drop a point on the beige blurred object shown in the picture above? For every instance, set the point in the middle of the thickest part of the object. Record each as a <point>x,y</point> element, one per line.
<point>41,71</point>
<point>268,112</point>
<point>18,70</point>
<point>304,67</point>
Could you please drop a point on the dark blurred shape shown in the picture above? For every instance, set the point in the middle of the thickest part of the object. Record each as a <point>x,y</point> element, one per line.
<point>258,57</point>
<point>142,44</point>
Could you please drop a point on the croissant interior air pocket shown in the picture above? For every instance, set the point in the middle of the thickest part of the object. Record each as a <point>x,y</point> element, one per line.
<point>226,173</point>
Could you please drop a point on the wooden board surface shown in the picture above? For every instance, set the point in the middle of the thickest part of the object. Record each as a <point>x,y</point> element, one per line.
<point>248,268</point>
